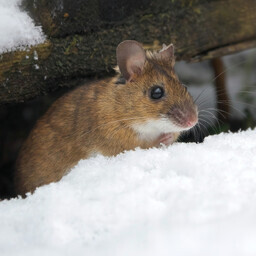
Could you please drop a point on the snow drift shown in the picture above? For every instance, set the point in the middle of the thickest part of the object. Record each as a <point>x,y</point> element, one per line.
<point>187,199</point>
<point>17,29</point>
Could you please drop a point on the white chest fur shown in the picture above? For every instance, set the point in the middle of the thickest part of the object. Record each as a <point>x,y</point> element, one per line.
<point>152,129</point>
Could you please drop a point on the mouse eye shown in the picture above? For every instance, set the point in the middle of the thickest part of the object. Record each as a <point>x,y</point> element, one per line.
<point>157,92</point>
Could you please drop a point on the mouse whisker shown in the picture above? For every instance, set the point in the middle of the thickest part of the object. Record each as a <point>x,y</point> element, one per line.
<point>229,68</point>
<point>202,129</point>
<point>214,117</point>
<point>209,123</point>
<point>200,94</point>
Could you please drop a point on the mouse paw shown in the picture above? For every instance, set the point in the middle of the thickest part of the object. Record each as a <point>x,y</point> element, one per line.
<point>167,138</point>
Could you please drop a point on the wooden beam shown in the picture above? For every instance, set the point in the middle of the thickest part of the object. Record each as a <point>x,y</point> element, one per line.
<point>83,35</point>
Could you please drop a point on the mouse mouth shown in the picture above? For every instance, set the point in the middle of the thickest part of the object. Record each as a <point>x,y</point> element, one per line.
<point>183,117</point>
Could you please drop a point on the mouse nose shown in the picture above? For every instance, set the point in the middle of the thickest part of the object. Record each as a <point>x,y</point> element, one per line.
<point>192,121</point>
<point>184,116</point>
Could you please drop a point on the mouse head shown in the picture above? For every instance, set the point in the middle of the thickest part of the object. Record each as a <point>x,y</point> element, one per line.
<point>157,99</point>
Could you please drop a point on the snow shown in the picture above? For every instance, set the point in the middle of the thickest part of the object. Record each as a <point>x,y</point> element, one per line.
<point>186,199</point>
<point>17,29</point>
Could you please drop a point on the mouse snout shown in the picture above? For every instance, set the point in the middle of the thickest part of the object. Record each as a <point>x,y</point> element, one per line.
<point>191,119</point>
<point>184,116</point>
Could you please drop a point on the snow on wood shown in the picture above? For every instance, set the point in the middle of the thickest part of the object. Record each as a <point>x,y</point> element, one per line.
<point>17,29</point>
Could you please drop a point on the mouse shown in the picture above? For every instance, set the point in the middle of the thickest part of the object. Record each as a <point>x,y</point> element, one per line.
<point>145,105</point>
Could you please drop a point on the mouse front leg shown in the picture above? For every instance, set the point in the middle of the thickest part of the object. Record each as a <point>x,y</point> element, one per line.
<point>168,138</point>
<point>165,139</point>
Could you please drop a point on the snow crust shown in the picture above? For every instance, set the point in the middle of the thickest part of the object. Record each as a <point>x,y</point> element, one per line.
<point>17,29</point>
<point>187,199</point>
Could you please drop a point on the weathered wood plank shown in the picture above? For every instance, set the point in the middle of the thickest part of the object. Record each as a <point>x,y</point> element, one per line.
<point>83,35</point>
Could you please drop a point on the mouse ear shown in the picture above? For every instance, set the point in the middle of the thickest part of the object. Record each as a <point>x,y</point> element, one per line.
<point>167,53</point>
<point>130,58</point>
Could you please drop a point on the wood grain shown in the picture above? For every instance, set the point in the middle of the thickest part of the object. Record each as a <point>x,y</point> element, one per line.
<point>83,35</point>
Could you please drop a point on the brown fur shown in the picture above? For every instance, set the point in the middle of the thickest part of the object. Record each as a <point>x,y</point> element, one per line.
<point>96,118</point>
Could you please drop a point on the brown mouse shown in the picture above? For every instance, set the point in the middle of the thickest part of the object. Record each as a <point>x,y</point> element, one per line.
<point>144,106</point>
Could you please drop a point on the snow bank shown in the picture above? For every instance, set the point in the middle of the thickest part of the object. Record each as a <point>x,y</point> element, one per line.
<point>187,199</point>
<point>17,29</point>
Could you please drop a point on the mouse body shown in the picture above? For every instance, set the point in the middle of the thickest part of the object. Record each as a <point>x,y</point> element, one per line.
<point>143,106</point>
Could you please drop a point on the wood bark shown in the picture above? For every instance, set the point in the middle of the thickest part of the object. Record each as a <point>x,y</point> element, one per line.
<point>83,35</point>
